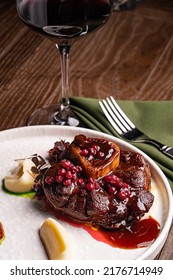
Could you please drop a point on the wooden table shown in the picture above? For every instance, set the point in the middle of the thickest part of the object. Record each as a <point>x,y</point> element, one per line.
<point>130,58</point>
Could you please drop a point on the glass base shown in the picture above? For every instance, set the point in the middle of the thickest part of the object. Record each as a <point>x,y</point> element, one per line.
<point>119,5</point>
<point>55,114</point>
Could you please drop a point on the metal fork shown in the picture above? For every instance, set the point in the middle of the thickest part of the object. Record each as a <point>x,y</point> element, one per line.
<point>126,129</point>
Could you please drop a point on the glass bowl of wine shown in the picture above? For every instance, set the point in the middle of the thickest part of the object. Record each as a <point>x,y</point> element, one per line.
<point>62,21</point>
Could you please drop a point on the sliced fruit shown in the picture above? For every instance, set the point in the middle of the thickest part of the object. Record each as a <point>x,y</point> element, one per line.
<point>56,240</point>
<point>22,178</point>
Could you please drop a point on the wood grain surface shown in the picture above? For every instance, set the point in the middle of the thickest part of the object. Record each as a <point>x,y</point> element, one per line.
<point>131,58</point>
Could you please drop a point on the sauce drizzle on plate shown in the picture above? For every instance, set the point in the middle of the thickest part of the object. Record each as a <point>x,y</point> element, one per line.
<point>138,235</point>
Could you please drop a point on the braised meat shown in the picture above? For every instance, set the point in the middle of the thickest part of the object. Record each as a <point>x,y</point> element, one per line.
<point>77,187</point>
<point>97,157</point>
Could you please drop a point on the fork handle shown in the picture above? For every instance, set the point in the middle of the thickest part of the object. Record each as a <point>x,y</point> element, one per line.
<point>163,148</point>
<point>167,151</point>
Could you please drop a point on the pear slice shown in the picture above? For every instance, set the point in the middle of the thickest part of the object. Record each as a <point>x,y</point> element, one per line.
<point>22,177</point>
<point>56,240</point>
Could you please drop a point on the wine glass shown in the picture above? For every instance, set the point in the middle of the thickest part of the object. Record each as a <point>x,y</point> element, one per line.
<point>62,21</point>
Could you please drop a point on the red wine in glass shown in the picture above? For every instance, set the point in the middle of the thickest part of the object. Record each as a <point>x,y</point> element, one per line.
<point>62,21</point>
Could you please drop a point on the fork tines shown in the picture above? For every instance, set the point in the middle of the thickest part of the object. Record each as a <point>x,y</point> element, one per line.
<point>116,116</point>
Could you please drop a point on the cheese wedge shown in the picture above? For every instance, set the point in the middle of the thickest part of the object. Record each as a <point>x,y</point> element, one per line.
<point>56,240</point>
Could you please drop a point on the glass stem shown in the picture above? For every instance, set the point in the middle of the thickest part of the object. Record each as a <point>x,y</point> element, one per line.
<point>64,57</point>
<point>64,115</point>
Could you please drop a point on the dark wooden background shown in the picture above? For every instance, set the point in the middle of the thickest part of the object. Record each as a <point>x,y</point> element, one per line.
<point>131,57</point>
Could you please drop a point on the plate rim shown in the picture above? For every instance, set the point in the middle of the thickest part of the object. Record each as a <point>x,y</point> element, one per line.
<point>161,239</point>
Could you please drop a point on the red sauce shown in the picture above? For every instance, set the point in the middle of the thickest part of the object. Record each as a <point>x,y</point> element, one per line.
<point>140,234</point>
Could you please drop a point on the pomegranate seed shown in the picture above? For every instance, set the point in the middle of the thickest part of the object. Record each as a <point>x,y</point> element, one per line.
<point>66,164</point>
<point>95,147</point>
<point>68,175</point>
<point>100,154</point>
<point>62,171</point>
<point>49,180</point>
<point>96,186</point>
<point>92,151</point>
<point>119,184</point>
<point>114,177</point>
<point>79,169</point>
<point>84,152</point>
<point>73,169</point>
<point>107,179</point>
<point>80,181</point>
<point>115,181</point>
<point>123,193</point>
<point>67,182</point>
<point>111,190</point>
<point>59,179</point>
<point>89,186</point>
<point>74,176</point>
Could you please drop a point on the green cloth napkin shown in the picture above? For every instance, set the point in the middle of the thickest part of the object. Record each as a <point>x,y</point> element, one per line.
<point>155,118</point>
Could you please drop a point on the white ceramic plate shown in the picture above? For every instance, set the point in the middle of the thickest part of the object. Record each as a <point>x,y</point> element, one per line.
<point>22,220</point>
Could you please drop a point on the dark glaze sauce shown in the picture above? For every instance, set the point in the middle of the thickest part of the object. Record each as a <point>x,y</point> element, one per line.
<point>104,146</point>
<point>138,235</point>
